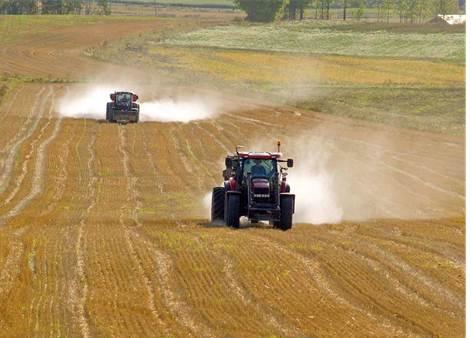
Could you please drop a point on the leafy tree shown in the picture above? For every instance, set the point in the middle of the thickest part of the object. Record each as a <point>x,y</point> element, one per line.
<point>293,7</point>
<point>445,6</point>
<point>422,10</point>
<point>104,7</point>
<point>323,9</point>
<point>259,10</point>
<point>360,11</point>
<point>52,6</point>
<point>345,2</point>
<point>388,8</point>
<point>401,9</point>
<point>19,7</point>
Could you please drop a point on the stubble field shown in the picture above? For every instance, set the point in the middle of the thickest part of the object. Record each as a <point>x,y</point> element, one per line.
<point>104,227</point>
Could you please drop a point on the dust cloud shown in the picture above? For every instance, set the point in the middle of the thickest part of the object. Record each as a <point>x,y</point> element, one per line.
<point>90,102</point>
<point>87,103</point>
<point>184,110</point>
<point>316,200</point>
<point>312,182</point>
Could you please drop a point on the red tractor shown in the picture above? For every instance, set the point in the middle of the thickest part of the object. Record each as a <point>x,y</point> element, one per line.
<point>122,108</point>
<point>254,186</point>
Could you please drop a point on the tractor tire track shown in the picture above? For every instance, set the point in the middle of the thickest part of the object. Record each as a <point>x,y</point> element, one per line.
<point>62,177</point>
<point>7,110</point>
<point>128,234</point>
<point>285,328</point>
<point>79,285</point>
<point>23,135</point>
<point>37,179</point>
<point>363,253</point>
<point>180,310</point>
<point>28,157</point>
<point>316,272</point>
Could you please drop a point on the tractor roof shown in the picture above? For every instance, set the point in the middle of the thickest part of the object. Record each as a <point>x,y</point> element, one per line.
<point>261,156</point>
<point>123,93</point>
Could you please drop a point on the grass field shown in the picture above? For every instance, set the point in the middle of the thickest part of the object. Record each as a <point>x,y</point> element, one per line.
<point>308,37</point>
<point>104,228</point>
<point>247,58</point>
<point>437,109</point>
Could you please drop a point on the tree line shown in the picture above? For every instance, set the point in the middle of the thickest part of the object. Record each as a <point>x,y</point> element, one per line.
<point>55,7</point>
<point>412,11</point>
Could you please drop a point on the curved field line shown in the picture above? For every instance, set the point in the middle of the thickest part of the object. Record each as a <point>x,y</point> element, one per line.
<point>380,267</point>
<point>180,310</point>
<point>433,247</point>
<point>398,275</point>
<point>24,169</point>
<point>314,269</point>
<point>133,198</point>
<point>405,172</point>
<point>179,148</point>
<point>63,175</point>
<point>10,105</point>
<point>415,177</point>
<point>37,179</point>
<point>157,179</point>
<point>393,203</point>
<point>11,268</point>
<point>215,139</point>
<point>434,286</point>
<point>175,304</point>
<point>79,288</point>
<point>25,133</point>
<point>281,326</point>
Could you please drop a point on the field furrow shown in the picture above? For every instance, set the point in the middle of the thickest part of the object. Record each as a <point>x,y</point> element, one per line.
<point>105,229</point>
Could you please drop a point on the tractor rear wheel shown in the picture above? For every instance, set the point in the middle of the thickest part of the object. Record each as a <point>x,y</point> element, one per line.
<point>286,213</point>
<point>109,111</point>
<point>217,205</point>
<point>231,212</point>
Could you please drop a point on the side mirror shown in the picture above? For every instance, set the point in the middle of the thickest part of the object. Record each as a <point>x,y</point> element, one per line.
<point>112,97</point>
<point>228,162</point>
<point>290,163</point>
<point>135,98</point>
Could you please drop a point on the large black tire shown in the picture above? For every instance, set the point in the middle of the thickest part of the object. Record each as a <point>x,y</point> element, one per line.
<point>109,111</point>
<point>231,212</point>
<point>217,205</point>
<point>137,117</point>
<point>286,212</point>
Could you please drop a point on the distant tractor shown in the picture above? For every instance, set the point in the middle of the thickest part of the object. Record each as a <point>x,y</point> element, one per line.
<point>254,186</point>
<point>122,108</point>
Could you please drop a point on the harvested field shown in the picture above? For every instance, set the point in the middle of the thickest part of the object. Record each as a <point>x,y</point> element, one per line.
<point>104,230</point>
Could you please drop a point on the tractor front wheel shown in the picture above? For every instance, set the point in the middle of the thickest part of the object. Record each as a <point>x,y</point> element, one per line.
<point>217,205</point>
<point>231,212</point>
<point>286,213</point>
<point>109,111</point>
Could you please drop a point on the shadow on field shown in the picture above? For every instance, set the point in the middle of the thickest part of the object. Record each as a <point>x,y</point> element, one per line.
<point>244,225</point>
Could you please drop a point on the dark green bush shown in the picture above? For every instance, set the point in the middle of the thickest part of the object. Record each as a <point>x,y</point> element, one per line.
<point>260,10</point>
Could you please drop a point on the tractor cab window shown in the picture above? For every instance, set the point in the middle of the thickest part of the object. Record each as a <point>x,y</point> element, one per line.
<point>259,168</point>
<point>123,98</point>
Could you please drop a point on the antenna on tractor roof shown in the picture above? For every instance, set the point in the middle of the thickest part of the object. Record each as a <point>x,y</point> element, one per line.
<point>238,147</point>
<point>279,145</point>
